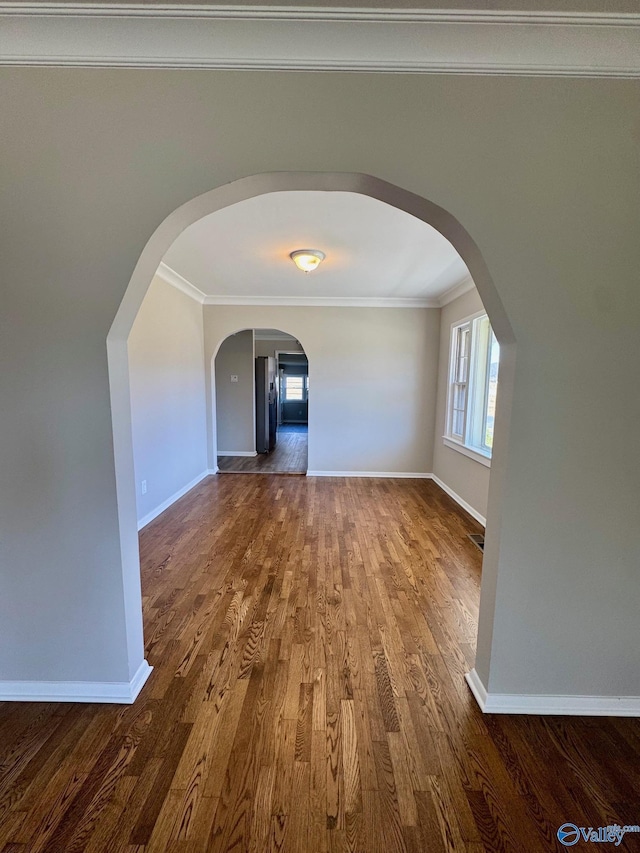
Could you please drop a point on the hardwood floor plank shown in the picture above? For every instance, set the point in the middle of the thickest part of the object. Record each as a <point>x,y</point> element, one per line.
<point>148,817</point>
<point>318,837</point>
<point>350,760</point>
<point>222,746</point>
<point>334,777</point>
<point>261,811</point>
<point>389,802</point>
<point>402,779</point>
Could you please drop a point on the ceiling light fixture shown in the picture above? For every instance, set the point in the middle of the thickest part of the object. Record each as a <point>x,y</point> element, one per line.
<point>307,259</point>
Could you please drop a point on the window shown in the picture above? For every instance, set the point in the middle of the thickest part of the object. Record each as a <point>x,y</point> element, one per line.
<point>473,383</point>
<point>294,387</point>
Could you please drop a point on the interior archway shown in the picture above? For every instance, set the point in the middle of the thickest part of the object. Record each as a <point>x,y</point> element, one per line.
<point>247,188</point>
<point>260,428</point>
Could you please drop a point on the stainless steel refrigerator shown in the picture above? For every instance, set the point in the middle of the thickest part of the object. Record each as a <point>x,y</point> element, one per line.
<point>266,404</point>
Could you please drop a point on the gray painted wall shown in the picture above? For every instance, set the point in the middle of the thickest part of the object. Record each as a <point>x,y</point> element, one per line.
<point>468,479</point>
<point>373,372</point>
<point>541,172</point>
<point>235,401</point>
<point>167,378</point>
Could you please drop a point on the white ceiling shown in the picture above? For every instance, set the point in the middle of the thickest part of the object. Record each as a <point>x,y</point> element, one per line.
<point>375,252</point>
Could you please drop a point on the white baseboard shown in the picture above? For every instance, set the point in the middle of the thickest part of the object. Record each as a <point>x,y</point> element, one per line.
<point>116,692</point>
<point>581,706</point>
<point>382,474</point>
<point>237,453</point>
<point>211,471</point>
<point>461,501</point>
<point>166,504</point>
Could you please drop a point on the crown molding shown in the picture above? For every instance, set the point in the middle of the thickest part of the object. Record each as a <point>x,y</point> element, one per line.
<point>323,301</point>
<point>176,280</point>
<point>166,273</point>
<point>348,14</point>
<point>457,290</point>
<point>465,41</point>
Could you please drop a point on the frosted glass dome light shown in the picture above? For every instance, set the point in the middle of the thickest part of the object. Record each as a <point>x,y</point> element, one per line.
<point>307,259</point>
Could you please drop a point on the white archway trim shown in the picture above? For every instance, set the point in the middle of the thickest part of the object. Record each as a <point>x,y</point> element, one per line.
<point>462,41</point>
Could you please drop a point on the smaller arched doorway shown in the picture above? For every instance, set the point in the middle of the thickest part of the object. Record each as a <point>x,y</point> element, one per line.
<point>260,397</point>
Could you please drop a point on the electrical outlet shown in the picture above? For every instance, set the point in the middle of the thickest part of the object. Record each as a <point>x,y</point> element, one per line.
<point>234,377</point>
<point>143,487</point>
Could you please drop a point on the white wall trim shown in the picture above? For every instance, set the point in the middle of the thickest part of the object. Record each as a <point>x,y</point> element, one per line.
<point>325,301</point>
<point>171,500</point>
<point>382,474</point>
<point>166,273</point>
<point>461,501</point>
<point>477,688</point>
<point>457,290</point>
<point>237,453</point>
<point>117,692</point>
<point>582,706</point>
<point>464,41</point>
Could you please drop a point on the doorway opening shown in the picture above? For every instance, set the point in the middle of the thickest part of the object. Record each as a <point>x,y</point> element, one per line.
<point>293,386</point>
<point>261,397</point>
<point>224,197</point>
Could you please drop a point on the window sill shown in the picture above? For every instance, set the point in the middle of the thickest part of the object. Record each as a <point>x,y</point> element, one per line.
<point>467,451</point>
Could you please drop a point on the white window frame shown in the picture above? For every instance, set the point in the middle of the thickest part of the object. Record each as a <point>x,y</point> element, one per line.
<point>470,443</point>
<point>304,388</point>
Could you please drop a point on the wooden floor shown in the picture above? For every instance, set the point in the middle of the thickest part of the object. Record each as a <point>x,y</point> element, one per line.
<point>310,638</point>
<point>289,456</point>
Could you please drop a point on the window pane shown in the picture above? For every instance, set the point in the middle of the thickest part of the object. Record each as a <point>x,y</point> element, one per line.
<point>464,340</point>
<point>463,369</point>
<point>462,354</point>
<point>492,387</point>
<point>293,387</point>
<point>459,396</point>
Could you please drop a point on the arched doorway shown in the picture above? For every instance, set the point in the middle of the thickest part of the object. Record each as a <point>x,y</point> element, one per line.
<point>257,185</point>
<point>261,400</point>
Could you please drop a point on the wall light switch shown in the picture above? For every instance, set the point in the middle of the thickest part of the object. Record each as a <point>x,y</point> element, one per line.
<point>234,377</point>
<point>143,487</point>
